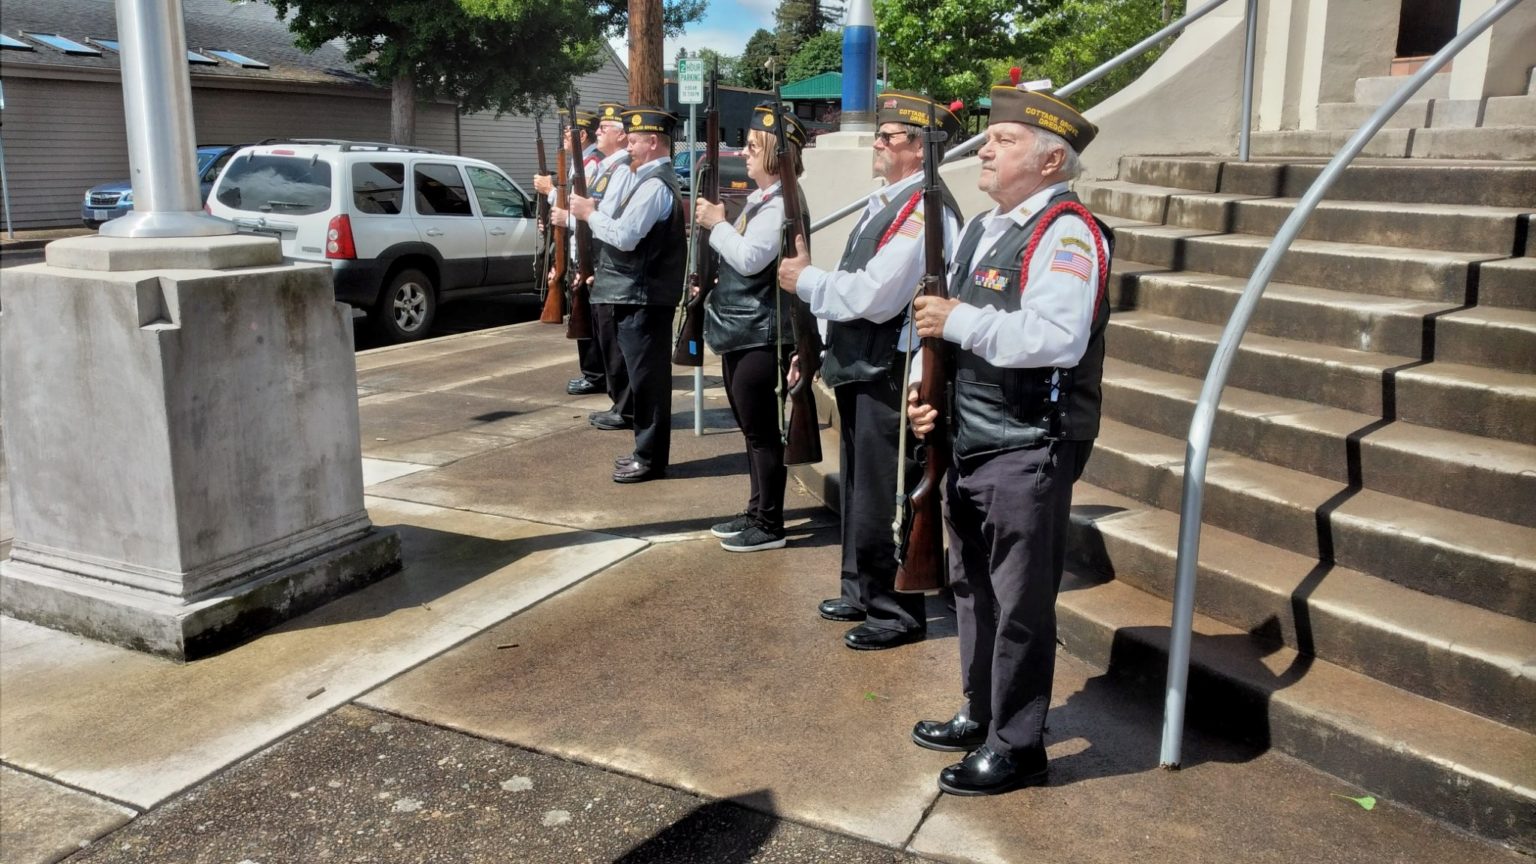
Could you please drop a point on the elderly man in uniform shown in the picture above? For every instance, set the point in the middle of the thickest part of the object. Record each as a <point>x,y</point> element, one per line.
<point>641,254</point>
<point>865,302</point>
<point>1026,309</point>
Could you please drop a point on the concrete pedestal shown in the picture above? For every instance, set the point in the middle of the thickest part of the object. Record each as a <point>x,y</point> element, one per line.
<point>182,442</point>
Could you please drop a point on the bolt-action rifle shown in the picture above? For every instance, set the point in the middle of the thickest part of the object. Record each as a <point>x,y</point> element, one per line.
<point>549,263</point>
<point>920,547</point>
<point>580,324</point>
<point>802,441</point>
<point>706,263</point>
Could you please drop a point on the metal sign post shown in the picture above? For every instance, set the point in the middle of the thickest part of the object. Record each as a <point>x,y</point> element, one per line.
<point>5,183</point>
<point>690,92</point>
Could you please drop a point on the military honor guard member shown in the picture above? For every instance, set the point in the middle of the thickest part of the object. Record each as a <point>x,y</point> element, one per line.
<point>746,322</point>
<point>641,255</point>
<point>1027,312</point>
<point>611,178</point>
<point>590,363</point>
<point>865,302</point>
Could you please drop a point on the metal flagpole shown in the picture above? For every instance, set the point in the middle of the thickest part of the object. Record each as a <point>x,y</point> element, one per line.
<point>693,197</point>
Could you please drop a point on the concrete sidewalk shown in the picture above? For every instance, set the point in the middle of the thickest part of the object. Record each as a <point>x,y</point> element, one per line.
<point>572,670</point>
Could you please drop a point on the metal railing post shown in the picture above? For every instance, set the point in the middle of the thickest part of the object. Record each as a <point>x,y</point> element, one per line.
<point>1199,441</point>
<point>1243,133</point>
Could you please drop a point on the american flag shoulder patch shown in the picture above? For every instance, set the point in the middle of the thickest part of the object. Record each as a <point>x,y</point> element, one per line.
<point>912,227</point>
<point>1075,263</point>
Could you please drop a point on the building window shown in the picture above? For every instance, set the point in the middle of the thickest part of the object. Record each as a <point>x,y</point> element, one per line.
<point>237,58</point>
<point>13,44</point>
<point>68,46</point>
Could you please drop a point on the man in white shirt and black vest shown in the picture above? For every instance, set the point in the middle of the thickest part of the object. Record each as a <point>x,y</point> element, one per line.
<point>1027,310</point>
<point>641,254</point>
<point>864,303</point>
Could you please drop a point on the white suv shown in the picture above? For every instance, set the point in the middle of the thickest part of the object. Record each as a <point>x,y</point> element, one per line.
<point>404,228</point>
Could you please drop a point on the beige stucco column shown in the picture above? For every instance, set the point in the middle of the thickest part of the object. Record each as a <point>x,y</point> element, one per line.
<point>1498,62</point>
<point>1344,40</point>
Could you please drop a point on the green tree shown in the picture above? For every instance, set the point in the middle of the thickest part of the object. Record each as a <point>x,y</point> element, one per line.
<point>798,21</point>
<point>725,63</point>
<point>820,53</point>
<point>1080,34</point>
<point>506,55</point>
<point>751,71</point>
<point>947,48</point>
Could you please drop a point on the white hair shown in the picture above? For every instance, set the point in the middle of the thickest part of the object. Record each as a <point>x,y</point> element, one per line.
<point>1046,141</point>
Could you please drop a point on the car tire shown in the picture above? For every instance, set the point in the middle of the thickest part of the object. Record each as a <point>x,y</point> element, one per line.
<point>405,310</point>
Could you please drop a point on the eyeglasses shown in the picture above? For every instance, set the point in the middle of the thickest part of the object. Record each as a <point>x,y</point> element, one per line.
<point>885,137</point>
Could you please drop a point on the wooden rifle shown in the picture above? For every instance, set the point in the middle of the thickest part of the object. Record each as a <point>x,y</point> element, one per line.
<point>550,273</point>
<point>706,263</point>
<point>921,566</point>
<point>802,441</point>
<point>580,324</point>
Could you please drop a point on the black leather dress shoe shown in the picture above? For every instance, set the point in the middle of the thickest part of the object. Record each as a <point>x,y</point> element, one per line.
<point>580,387</point>
<point>867,638</point>
<point>838,609</point>
<point>959,734</point>
<point>609,420</point>
<point>985,772</point>
<point>637,472</point>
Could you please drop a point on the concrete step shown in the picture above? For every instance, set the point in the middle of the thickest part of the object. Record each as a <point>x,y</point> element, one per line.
<point>1416,181</point>
<point>1352,115</point>
<point>1477,660</point>
<point>1415,274</point>
<point>1510,283</point>
<point>1423,226</point>
<point>1490,403</point>
<point>1509,111</point>
<point>1388,143</point>
<point>1469,559</point>
<point>1483,142</point>
<point>1494,479</point>
<point>1376,90</point>
<point>1488,336</point>
<point>1475,773</point>
<point>1365,322</point>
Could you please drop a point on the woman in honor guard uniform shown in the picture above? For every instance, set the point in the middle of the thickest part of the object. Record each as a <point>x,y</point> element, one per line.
<point>746,322</point>
<point>1027,310</point>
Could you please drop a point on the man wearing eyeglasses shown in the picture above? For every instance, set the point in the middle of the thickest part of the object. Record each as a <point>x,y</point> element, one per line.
<point>864,304</point>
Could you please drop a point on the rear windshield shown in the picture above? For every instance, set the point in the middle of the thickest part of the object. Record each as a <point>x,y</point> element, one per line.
<point>276,184</point>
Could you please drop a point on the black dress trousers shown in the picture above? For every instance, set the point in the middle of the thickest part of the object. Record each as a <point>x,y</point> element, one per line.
<point>1006,519</point>
<point>591,362</point>
<point>870,416</point>
<point>605,340</point>
<point>752,380</point>
<point>645,341</point>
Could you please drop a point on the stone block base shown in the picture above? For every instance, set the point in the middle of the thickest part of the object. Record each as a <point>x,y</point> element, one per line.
<point>158,624</point>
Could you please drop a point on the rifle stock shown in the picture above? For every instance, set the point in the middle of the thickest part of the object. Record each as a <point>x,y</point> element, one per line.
<point>689,350</point>
<point>579,326</point>
<point>549,277</point>
<point>921,566</point>
<point>552,306</point>
<point>802,440</point>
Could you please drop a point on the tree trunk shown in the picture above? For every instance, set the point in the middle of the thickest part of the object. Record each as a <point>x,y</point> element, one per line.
<point>645,60</point>
<point>402,110</point>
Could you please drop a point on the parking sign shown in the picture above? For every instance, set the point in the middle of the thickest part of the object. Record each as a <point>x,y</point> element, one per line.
<point>690,81</point>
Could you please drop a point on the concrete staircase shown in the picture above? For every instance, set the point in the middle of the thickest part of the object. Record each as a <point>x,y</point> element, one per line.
<point>1367,579</point>
<point>1431,125</point>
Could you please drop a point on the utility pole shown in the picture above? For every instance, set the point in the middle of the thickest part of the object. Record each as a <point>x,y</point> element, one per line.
<point>645,60</point>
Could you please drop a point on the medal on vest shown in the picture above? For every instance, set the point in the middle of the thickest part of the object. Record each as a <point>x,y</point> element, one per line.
<point>989,278</point>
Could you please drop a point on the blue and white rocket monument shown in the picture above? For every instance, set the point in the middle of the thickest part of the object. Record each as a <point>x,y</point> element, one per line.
<point>859,67</point>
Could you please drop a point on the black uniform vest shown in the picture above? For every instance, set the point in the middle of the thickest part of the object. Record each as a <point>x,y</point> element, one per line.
<point>740,312</point>
<point>861,350</point>
<point>652,272</point>
<point>997,409</point>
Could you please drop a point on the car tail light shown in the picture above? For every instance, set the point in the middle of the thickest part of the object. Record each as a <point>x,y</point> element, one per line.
<point>338,238</point>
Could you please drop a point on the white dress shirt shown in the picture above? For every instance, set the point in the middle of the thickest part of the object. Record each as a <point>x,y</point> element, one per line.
<point>749,247</point>
<point>887,284</point>
<point>650,203</point>
<point>1053,326</point>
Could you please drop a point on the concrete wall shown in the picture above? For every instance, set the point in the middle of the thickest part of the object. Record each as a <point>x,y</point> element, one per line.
<point>1499,62</point>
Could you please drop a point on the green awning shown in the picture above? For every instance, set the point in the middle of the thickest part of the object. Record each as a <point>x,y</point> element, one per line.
<point>827,85</point>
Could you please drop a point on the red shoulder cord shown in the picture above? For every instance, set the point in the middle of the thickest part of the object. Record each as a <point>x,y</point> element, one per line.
<point>1051,215</point>
<point>906,210</point>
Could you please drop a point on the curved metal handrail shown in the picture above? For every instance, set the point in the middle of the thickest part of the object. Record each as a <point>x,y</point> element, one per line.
<point>973,143</point>
<point>1199,440</point>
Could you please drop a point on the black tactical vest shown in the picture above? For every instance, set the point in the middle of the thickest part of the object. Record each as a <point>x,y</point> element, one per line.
<point>861,350</point>
<point>741,311</point>
<point>651,273</point>
<point>997,409</point>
